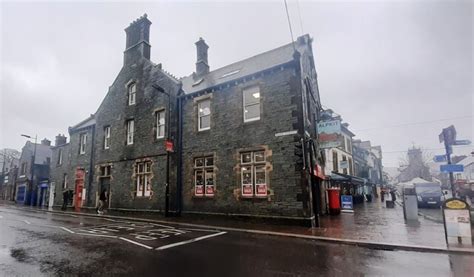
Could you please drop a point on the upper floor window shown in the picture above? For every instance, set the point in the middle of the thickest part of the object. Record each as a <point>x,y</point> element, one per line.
<point>204,115</point>
<point>251,99</point>
<point>82,143</point>
<point>335,162</point>
<point>253,173</point>
<point>60,157</point>
<point>23,168</point>
<point>106,137</point>
<point>130,131</point>
<point>204,176</point>
<point>143,178</point>
<point>64,181</point>
<point>160,124</point>
<point>132,93</point>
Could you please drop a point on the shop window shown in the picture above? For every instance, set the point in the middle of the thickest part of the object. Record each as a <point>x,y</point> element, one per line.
<point>204,184</point>
<point>143,178</point>
<point>253,174</point>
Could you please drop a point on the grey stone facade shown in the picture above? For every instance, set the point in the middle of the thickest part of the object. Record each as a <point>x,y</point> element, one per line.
<point>288,106</point>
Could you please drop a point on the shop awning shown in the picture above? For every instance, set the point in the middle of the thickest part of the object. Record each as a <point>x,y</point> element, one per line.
<point>345,178</point>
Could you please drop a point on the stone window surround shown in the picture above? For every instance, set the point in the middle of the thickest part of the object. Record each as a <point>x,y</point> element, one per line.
<point>149,175</point>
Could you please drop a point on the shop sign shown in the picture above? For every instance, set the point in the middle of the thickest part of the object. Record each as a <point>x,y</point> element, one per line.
<point>199,190</point>
<point>318,172</point>
<point>344,164</point>
<point>329,134</point>
<point>247,190</point>
<point>261,189</point>
<point>346,202</point>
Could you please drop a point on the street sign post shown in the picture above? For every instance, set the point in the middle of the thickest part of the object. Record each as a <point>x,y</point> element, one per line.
<point>457,222</point>
<point>346,203</point>
<point>462,142</point>
<point>440,158</point>
<point>451,168</point>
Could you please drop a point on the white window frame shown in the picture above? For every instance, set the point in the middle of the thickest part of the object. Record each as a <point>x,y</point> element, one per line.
<point>132,93</point>
<point>201,116</point>
<point>130,131</point>
<point>64,181</point>
<point>257,90</point>
<point>160,115</point>
<point>82,143</point>
<point>107,137</point>
<point>143,186</point>
<point>60,156</point>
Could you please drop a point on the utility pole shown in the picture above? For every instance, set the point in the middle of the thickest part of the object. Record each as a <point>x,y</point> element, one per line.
<point>168,139</point>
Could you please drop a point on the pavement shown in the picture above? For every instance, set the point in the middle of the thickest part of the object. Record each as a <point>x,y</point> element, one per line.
<point>38,243</point>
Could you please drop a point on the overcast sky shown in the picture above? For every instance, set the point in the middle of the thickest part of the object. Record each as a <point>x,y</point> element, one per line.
<point>380,63</point>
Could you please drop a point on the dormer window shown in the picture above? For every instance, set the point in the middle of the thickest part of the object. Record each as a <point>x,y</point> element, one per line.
<point>132,92</point>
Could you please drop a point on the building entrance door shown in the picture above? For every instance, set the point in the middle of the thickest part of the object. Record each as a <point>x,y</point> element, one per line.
<point>79,189</point>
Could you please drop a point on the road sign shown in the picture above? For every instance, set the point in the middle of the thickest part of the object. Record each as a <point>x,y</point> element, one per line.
<point>462,142</point>
<point>169,145</point>
<point>439,158</point>
<point>452,168</point>
<point>448,135</point>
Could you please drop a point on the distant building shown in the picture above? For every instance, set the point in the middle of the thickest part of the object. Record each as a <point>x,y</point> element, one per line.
<point>416,167</point>
<point>34,191</point>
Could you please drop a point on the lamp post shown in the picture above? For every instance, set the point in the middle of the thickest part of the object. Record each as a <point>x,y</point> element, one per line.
<point>168,138</point>
<point>32,170</point>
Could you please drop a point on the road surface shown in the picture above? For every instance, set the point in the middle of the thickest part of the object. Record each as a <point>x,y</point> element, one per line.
<point>35,243</point>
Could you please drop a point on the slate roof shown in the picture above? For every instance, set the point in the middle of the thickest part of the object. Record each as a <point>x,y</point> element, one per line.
<point>266,60</point>
<point>85,123</point>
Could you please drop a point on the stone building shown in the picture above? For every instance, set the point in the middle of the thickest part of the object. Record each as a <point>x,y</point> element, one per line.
<point>242,136</point>
<point>33,189</point>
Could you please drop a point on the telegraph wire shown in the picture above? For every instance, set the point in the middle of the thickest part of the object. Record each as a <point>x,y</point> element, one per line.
<point>289,25</point>
<point>424,149</point>
<point>413,123</point>
<point>299,14</point>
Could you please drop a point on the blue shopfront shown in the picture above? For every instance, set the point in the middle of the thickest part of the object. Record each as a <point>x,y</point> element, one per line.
<point>21,193</point>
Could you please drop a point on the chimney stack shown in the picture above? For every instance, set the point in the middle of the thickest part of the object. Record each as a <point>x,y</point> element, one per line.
<point>46,141</point>
<point>138,40</point>
<point>60,140</point>
<point>202,65</point>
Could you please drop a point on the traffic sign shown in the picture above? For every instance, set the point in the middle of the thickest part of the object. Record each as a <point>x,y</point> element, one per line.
<point>462,142</point>
<point>440,158</point>
<point>169,145</point>
<point>451,168</point>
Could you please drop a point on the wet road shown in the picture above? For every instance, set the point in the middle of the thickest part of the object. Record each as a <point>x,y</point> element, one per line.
<point>43,244</point>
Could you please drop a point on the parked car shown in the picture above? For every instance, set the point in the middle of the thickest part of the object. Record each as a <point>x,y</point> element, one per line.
<point>429,195</point>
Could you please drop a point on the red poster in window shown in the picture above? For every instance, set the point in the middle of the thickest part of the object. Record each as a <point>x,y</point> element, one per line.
<point>247,190</point>
<point>169,145</point>
<point>199,190</point>
<point>261,190</point>
<point>209,190</point>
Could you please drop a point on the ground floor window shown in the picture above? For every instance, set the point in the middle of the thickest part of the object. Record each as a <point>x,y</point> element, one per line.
<point>253,174</point>
<point>143,178</point>
<point>204,184</point>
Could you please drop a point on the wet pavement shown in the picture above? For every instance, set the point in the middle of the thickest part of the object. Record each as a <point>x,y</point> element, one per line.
<point>34,243</point>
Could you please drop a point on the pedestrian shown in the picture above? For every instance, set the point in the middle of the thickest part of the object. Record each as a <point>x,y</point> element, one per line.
<point>65,199</point>
<point>392,194</point>
<point>382,195</point>
<point>102,201</point>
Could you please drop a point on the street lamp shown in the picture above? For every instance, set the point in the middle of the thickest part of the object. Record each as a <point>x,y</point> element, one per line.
<point>168,138</point>
<point>32,170</point>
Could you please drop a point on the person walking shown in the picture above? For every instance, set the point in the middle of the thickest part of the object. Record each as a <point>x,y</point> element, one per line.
<point>65,199</point>
<point>102,201</point>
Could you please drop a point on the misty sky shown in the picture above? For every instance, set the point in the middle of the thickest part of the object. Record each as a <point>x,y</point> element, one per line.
<point>380,64</point>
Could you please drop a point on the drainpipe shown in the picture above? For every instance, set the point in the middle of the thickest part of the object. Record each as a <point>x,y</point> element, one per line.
<point>179,167</point>
<point>91,167</point>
